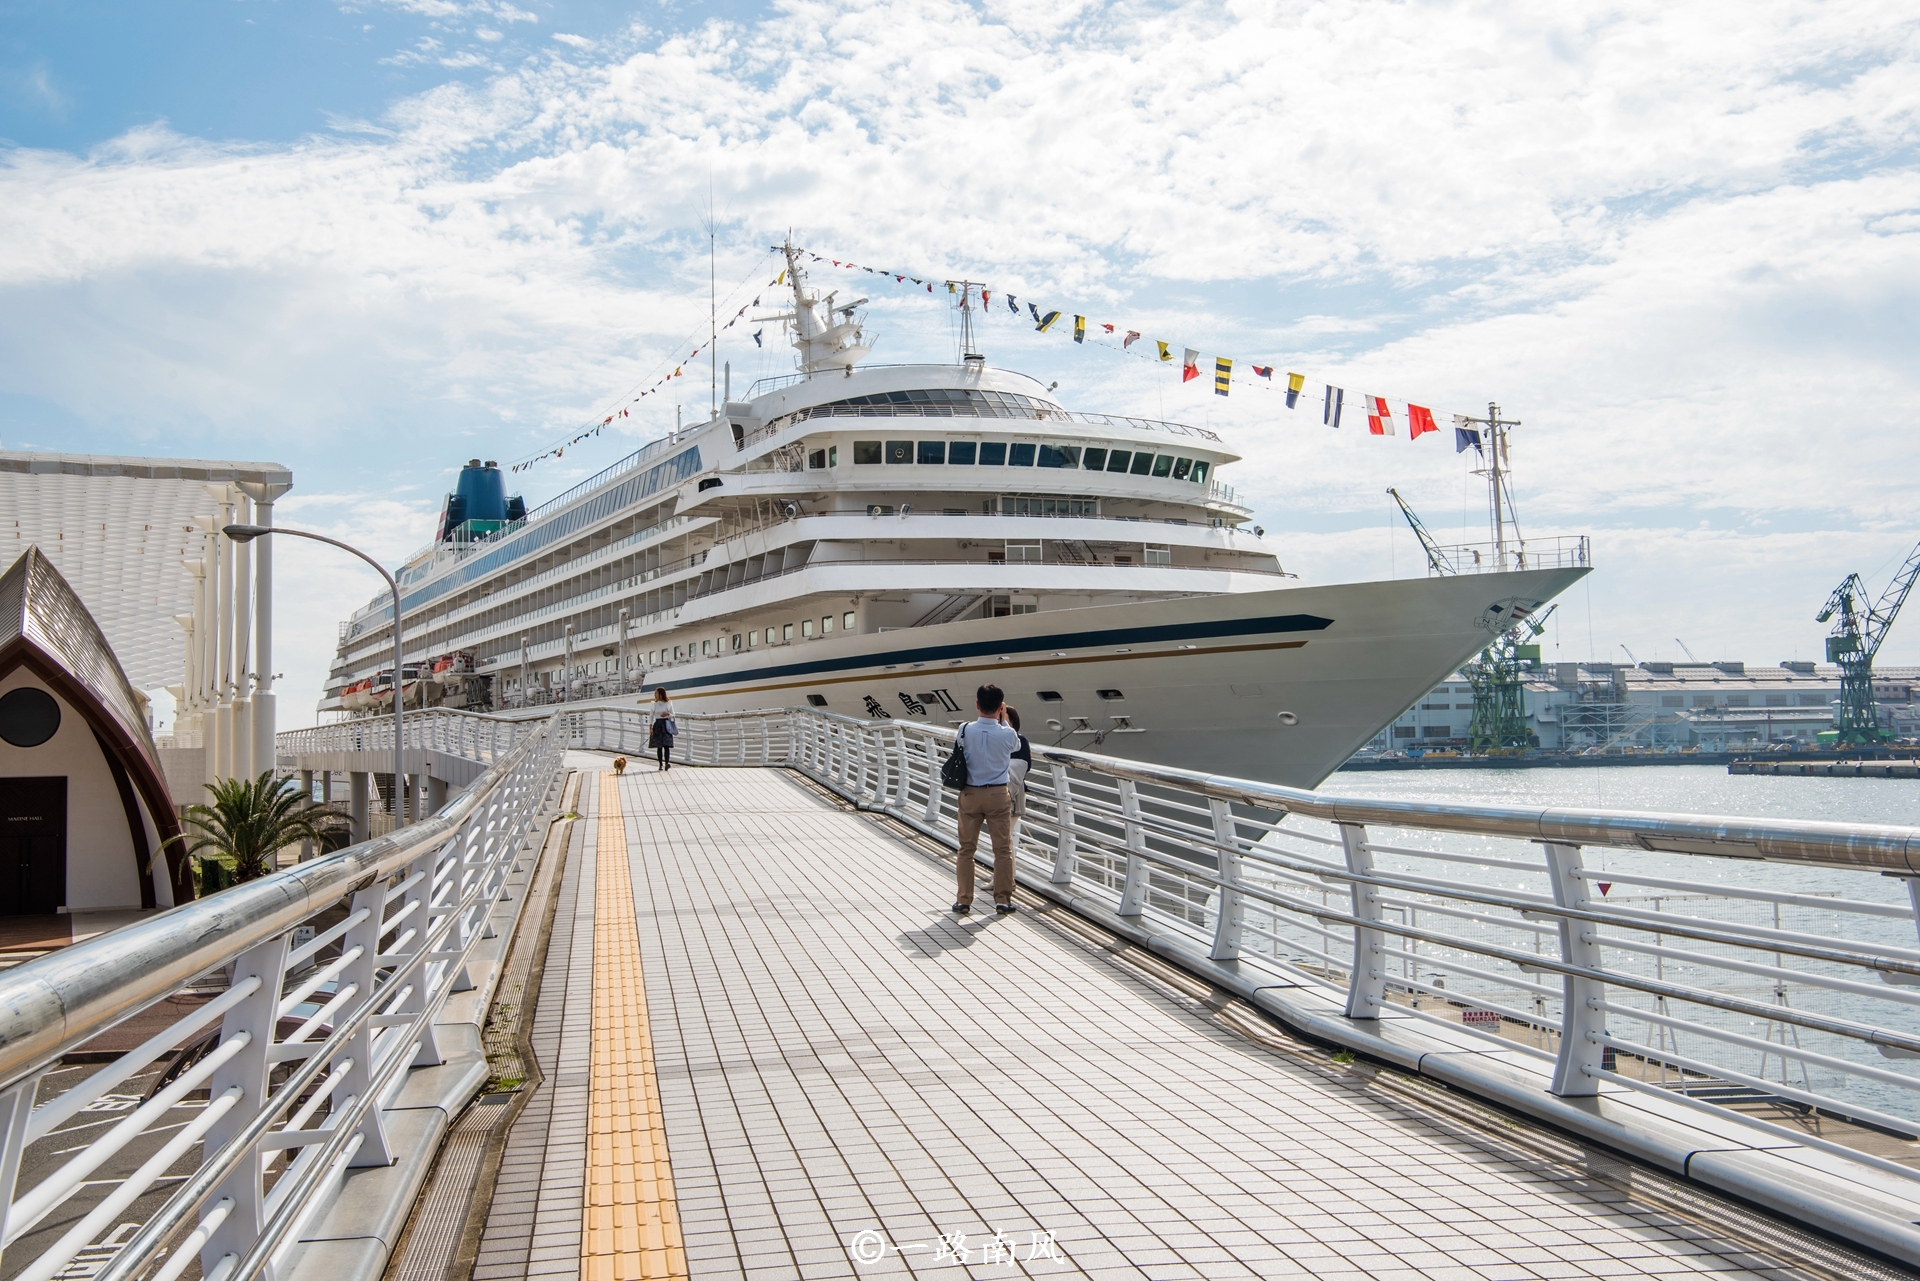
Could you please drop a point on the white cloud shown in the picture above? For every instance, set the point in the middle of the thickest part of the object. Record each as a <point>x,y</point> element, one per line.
<point>1677,241</point>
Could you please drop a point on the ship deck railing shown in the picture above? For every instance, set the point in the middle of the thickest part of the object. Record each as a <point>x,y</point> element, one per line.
<point>1569,551</point>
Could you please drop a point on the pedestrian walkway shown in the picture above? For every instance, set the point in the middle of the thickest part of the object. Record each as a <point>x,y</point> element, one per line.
<point>852,1082</point>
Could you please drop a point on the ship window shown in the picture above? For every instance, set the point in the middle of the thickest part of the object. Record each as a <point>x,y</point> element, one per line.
<point>752,636</point>
<point>1162,464</point>
<point>1142,464</point>
<point>826,624</point>
<point>1159,555</point>
<point>993,453</point>
<point>1094,459</point>
<point>817,459</point>
<point>677,655</point>
<point>1020,456</point>
<point>816,700</point>
<point>996,558</point>
<point>1049,695</point>
<point>899,451</point>
<point>786,631</point>
<point>1028,553</point>
<point>960,453</point>
<point>806,627</point>
<point>1123,560</point>
<point>769,635</point>
<point>1117,460</point>
<point>866,451</point>
<point>1110,695</point>
<point>1182,467</point>
<point>1199,476</point>
<point>999,607</point>
<point>653,658</point>
<point>932,453</point>
<point>1059,455</point>
<point>833,455</point>
<point>736,640</point>
<point>847,621</point>
<point>706,647</point>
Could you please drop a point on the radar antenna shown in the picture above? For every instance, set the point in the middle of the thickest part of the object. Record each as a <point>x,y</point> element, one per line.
<point>828,335</point>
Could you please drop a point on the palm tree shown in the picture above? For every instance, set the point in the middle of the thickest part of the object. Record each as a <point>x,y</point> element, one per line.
<point>251,818</point>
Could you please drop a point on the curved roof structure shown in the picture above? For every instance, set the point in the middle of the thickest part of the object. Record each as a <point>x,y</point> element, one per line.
<point>117,530</point>
<point>45,628</point>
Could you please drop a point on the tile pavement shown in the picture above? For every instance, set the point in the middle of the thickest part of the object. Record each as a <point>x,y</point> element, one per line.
<point>533,1229</point>
<point>846,1070</point>
<point>837,1055</point>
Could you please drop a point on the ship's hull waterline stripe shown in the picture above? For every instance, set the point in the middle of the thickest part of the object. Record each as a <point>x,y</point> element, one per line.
<point>899,677</point>
<point>1118,636</point>
<point>631,1230</point>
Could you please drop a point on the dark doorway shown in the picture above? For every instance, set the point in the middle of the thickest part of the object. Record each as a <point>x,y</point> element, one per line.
<point>33,846</point>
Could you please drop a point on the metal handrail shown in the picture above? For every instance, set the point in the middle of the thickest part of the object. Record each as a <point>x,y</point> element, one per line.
<point>376,1005</point>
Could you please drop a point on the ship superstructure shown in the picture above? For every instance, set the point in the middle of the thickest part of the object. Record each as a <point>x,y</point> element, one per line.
<point>880,539</point>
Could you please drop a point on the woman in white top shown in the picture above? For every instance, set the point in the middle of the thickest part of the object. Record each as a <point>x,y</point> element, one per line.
<point>660,737</point>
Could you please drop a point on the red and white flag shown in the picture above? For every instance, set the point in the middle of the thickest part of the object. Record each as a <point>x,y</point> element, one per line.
<point>1190,366</point>
<point>1419,421</point>
<point>1379,417</point>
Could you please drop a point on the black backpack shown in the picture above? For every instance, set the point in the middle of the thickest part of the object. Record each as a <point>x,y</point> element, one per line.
<point>954,772</point>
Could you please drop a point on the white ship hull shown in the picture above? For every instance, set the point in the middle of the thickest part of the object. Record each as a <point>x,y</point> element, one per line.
<point>1280,686</point>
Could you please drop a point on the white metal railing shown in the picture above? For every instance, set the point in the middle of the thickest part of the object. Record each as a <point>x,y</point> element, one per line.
<point>1572,551</point>
<point>285,1045</point>
<point>467,735</point>
<point>1613,947</point>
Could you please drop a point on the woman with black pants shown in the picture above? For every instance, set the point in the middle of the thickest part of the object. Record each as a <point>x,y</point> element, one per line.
<point>660,737</point>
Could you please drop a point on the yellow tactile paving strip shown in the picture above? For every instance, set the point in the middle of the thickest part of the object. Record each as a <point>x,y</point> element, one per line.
<point>632,1228</point>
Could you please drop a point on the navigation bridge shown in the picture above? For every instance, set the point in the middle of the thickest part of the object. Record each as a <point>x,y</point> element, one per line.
<point>718,1022</point>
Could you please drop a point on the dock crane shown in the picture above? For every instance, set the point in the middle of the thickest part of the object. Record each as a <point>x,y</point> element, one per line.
<point>1438,563</point>
<point>1853,642</point>
<point>1499,712</point>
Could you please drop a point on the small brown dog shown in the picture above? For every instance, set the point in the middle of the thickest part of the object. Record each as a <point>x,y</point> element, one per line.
<point>619,764</point>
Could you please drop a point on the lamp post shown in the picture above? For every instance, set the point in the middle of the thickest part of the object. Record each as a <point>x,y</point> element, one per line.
<point>246,534</point>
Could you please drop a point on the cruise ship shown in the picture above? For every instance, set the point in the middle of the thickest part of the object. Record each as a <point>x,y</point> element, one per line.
<point>880,540</point>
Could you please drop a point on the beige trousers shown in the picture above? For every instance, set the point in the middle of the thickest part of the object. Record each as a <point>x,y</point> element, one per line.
<point>992,806</point>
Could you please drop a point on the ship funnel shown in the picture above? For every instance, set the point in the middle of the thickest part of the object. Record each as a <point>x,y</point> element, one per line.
<point>478,505</point>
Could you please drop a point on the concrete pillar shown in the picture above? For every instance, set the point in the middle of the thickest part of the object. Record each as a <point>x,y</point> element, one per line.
<point>223,643</point>
<point>361,783</point>
<point>242,750</point>
<point>264,715</point>
<point>436,794</point>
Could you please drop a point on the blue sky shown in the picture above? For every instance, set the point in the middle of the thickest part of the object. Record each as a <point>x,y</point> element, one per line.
<point>373,240</point>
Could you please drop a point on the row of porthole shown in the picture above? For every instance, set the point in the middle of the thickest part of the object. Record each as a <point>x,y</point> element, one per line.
<point>782,634</point>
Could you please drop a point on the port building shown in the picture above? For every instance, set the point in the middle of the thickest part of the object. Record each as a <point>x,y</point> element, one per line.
<point>1716,706</point>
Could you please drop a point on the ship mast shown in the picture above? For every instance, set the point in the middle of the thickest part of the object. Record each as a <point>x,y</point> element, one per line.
<point>965,289</point>
<point>1499,471</point>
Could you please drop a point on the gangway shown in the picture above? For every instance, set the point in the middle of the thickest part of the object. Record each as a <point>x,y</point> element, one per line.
<point>751,969</point>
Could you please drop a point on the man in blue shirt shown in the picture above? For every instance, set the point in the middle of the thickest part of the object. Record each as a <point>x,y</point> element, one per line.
<point>989,744</point>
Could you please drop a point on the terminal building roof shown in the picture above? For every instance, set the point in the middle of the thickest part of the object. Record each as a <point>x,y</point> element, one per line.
<point>118,530</point>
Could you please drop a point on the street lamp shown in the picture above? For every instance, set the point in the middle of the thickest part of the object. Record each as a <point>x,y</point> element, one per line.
<point>246,534</point>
